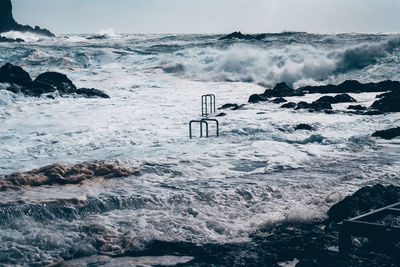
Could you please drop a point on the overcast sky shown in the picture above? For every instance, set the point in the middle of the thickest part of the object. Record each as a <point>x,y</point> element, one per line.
<point>210,16</point>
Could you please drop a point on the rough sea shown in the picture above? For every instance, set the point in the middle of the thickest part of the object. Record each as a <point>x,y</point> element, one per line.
<point>258,172</point>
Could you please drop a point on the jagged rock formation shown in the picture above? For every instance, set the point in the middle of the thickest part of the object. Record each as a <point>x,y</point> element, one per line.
<point>21,82</point>
<point>58,174</point>
<point>8,23</point>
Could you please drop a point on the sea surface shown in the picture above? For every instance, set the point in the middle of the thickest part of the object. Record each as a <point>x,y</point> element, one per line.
<point>258,172</point>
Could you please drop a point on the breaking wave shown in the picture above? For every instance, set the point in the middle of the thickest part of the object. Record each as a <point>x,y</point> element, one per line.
<point>296,65</point>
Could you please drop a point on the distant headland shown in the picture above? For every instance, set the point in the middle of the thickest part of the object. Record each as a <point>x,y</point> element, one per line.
<point>8,23</point>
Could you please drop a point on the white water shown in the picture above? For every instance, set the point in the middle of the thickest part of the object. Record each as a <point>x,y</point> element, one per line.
<point>200,190</point>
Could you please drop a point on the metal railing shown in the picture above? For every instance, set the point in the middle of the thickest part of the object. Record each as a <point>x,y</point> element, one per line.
<point>207,104</point>
<point>207,108</point>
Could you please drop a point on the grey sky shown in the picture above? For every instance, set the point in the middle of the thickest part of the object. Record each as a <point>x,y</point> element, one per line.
<point>210,16</point>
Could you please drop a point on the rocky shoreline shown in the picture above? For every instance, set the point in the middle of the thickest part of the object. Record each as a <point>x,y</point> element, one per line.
<point>17,80</point>
<point>8,23</point>
<point>290,243</point>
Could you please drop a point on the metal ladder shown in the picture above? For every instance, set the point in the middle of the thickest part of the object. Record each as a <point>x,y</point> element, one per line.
<point>207,108</point>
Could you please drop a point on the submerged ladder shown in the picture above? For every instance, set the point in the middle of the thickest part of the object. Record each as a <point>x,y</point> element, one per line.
<point>207,109</point>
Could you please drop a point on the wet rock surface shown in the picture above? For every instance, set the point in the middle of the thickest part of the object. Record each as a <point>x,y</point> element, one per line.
<point>304,126</point>
<point>297,243</point>
<point>58,174</point>
<point>387,102</point>
<point>387,134</point>
<point>241,36</point>
<point>8,23</point>
<point>48,82</point>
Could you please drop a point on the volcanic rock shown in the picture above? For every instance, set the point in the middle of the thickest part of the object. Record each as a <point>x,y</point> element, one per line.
<point>363,201</point>
<point>303,126</point>
<point>58,174</point>
<point>357,107</point>
<point>15,75</point>
<point>54,81</point>
<point>387,134</point>
<point>239,35</point>
<point>279,100</point>
<point>7,22</point>
<point>289,105</point>
<point>91,92</point>
<point>255,98</point>
<point>389,102</point>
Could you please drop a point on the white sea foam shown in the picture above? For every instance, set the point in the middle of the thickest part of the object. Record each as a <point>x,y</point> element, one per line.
<point>26,36</point>
<point>202,190</point>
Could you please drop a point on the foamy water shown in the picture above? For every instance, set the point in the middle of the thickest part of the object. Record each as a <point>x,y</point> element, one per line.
<point>258,171</point>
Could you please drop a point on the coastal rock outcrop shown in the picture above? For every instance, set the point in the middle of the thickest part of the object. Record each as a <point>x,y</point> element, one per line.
<point>364,200</point>
<point>48,82</point>
<point>388,102</point>
<point>8,23</point>
<point>387,134</point>
<point>58,174</point>
<point>241,36</point>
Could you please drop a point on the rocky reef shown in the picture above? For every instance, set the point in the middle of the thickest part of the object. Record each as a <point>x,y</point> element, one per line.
<point>300,244</point>
<point>21,82</point>
<point>8,23</point>
<point>387,102</point>
<point>58,174</point>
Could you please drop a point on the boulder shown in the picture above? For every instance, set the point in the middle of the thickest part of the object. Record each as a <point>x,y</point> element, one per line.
<point>357,107</point>
<point>302,105</point>
<point>15,75</point>
<point>289,105</point>
<point>303,126</point>
<point>230,106</point>
<point>387,134</point>
<point>48,82</point>
<point>54,81</point>
<point>279,100</point>
<point>364,200</point>
<point>280,90</point>
<point>256,98</point>
<point>388,102</point>
<point>91,92</point>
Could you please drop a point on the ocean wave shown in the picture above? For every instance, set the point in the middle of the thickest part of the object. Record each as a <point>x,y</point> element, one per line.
<point>26,36</point>
<point>268,65</point>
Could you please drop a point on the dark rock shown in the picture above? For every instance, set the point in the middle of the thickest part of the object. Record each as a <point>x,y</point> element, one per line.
<point>230,106</point>
<point>54,81</point>
<point>279,100</point>
<point>373,112</point>
<point>222,114</point>
<point>239,35</point>
<point>351,86</point>
<point>389,102</point>
<point>256,98</point>
<point>280,90</point>
<point>49,82</point>
<point>303,126</point>
<point>302,105</point>
<point>8,40</point>
<point>15,75</point>
<point>343,98</point>
<point>7,22</point>
<point>363,201</point>
<point>289,105</point>
<point>387,134</point>
<point>91,92</point>
<point>357,107</point>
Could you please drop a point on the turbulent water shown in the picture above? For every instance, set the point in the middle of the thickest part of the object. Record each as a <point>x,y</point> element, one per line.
<point>216,190</point>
